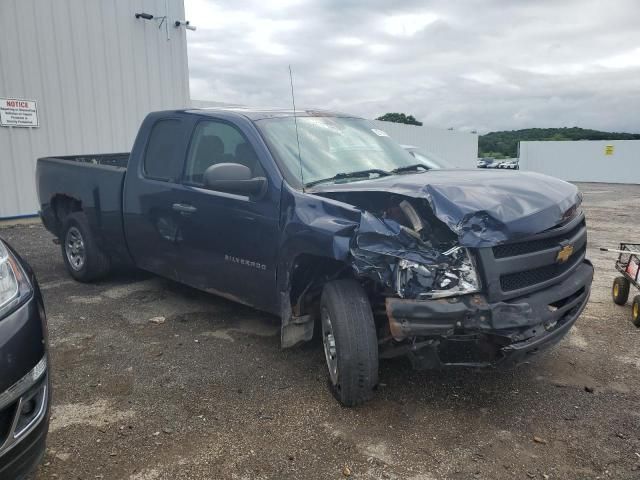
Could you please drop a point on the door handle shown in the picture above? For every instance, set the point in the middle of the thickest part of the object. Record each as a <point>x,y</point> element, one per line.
<point>184,208</point>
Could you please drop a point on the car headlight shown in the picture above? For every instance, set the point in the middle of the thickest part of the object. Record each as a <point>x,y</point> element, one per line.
<point>457,277</point>
<point>14,284</point>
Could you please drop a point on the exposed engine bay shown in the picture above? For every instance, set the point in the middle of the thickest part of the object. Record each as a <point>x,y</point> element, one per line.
<point>418,244</point>
<point>403,247</point>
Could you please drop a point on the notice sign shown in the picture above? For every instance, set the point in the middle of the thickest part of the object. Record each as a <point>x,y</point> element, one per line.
<point>15,112</point>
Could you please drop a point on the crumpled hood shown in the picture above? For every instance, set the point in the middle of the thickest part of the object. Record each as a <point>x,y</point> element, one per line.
<point>483,207</point>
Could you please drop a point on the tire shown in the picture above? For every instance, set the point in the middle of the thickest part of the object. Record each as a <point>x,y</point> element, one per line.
<point>85,261</point>
<point>620,290</point>
<point>635,311</point>
<point>350,342</point>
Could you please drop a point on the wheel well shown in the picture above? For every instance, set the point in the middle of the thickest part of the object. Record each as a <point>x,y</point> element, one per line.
<point>308,275</point>
<point>62,206</point>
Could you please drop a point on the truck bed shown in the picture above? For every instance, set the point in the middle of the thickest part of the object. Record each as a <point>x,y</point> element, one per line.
<point>91,183</point>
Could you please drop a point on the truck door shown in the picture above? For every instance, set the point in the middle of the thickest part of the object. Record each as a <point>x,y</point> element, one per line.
<point>229,242</point>
<point>151,189</point>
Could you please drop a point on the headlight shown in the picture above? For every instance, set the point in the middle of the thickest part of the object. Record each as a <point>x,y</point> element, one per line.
<point>458,277</point>
<point>14,285</point>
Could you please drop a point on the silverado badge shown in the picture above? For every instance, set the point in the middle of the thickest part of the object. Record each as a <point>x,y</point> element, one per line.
<point>565,252</point>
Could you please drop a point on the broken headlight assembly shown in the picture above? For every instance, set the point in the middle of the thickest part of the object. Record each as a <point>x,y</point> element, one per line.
<point>14,285</point>
<point>420,281</point>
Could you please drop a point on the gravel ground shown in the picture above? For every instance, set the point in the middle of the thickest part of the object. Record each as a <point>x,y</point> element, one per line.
<point>209,394</point>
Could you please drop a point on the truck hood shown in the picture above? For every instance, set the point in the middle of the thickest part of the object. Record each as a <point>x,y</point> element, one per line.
<point>482,207</point>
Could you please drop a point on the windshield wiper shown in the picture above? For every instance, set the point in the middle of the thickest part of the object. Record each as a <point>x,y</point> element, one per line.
<point>410,168</point>
<point>356,174</point>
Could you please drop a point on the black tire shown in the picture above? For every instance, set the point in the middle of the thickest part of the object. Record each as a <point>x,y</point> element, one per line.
<point>635,311</point>
<point>620,290</point>
<point>355,351</point>
<point>96,264</point>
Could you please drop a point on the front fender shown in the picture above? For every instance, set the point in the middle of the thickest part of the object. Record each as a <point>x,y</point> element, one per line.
<point>314,227</point>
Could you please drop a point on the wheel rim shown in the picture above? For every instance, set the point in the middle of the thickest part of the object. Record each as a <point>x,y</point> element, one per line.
<point>330,348</point>
<point>616,289</point>
<point>74,249</point>
<point>636,311</point>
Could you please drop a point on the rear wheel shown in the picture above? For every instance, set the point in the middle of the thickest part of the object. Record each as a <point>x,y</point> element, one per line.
<point>635,311</point>
<point>350,342</point>
<point>85,261</point>
<point>620,290</point>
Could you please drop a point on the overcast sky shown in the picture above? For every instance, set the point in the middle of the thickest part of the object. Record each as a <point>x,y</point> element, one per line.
<point>485,65</point>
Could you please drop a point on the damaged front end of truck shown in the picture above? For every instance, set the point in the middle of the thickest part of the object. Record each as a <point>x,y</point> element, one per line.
<point>460,276</point>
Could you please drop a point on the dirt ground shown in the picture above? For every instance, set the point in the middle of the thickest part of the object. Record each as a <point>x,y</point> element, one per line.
<point>209,394</point>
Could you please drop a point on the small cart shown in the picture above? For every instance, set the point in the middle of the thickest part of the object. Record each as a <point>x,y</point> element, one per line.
<point>628,264</point>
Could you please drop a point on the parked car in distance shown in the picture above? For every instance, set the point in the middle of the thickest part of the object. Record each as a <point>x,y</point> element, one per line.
<point>509,165</point>
<point>24,378</point>
<point>322,219</point>
<point>486,162</point>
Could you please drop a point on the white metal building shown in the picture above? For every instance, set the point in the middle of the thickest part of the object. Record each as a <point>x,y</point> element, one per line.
<point>607,161</point>
<point>79,76</point>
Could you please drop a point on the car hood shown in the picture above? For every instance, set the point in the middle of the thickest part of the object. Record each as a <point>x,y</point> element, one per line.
<point>482,207</point>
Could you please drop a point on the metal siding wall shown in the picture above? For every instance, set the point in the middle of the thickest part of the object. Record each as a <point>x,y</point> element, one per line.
<point>584,161</point>
<point>459,148</point>
<point>95,72</point>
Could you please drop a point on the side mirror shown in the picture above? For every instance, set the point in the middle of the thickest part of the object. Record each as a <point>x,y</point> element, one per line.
<point>233,178</point>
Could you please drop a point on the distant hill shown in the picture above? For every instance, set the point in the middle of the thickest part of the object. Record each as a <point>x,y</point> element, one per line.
<point>505,143</point>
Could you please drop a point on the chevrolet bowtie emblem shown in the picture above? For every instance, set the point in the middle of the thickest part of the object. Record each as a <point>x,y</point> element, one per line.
<point>565,252</point>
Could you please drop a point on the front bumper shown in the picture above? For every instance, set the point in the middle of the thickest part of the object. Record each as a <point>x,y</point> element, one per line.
<point>470,331</point>
<point>23,444</point>
<point>24,386</point>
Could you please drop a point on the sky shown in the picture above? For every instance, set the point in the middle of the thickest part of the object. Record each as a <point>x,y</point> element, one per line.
<point>469,65</point>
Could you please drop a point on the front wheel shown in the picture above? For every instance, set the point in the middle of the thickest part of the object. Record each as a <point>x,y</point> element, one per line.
<point>350,342</point>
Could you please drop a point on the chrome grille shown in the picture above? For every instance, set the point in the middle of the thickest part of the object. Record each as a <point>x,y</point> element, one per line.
<point>522,267</point>
<point>530,246</point>
<point>518,280</point>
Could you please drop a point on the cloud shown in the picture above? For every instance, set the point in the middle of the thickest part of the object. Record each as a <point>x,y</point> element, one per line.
<point>485,65</point>
<point>408,24</point>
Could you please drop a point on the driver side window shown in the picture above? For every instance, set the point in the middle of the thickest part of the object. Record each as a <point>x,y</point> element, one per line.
<point>218,142</point>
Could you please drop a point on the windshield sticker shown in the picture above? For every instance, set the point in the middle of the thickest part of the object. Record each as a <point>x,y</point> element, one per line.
<point>380,133</point>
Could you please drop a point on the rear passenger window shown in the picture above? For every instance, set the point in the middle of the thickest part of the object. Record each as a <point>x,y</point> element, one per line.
<point>218,142</point>
<point>163,159</point>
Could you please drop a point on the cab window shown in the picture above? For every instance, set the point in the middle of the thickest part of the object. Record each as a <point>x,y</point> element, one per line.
<point>218,142</point>
<point>163,157</point>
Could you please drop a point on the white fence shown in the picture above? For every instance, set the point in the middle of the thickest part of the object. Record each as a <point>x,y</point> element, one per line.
<point>458,148</point>
<point>606,161</point>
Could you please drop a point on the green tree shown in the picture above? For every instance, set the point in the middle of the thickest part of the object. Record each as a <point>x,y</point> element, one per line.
<point>399,118</point>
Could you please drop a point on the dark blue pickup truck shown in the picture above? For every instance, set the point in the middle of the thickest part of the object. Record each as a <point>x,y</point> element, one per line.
<point>322,219</point>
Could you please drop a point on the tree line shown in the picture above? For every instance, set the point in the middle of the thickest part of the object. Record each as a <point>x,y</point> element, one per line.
<point>504,144</point>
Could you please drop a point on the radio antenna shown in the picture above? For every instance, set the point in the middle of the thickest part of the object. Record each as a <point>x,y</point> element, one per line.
<point>295,119</point>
